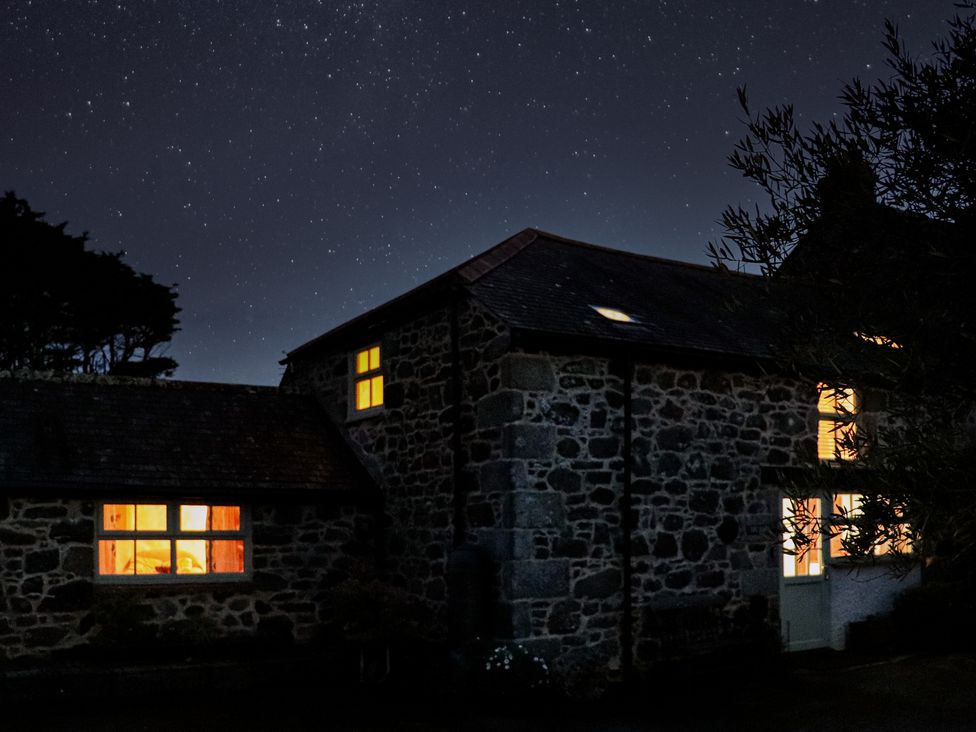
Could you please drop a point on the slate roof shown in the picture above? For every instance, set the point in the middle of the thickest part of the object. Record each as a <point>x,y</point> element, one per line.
<point>541,284</point>
<point>167,437</point>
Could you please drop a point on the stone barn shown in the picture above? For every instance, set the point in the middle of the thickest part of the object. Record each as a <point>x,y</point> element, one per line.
<point>608,430</point>
<point>564,445</point>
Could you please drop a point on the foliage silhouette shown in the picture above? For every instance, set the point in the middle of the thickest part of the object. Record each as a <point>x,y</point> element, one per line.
<point>867,243</point>
<point>68,309</point>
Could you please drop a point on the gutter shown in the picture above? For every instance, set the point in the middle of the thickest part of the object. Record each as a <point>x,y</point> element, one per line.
<point>627,624</point>
<point>460,527</point>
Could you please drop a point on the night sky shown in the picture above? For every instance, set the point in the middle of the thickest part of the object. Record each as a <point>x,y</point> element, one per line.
<point>290,165</point>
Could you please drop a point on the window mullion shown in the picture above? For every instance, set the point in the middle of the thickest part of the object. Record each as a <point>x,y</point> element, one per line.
<point>172,526</point>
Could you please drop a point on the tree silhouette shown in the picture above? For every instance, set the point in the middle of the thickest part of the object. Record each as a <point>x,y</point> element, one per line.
<point>69,309</point>
<point>868,241</point>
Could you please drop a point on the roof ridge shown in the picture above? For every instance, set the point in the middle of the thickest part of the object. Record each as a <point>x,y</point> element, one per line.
<point>647,257</point>
<point>481,264</point>
<point>469,271</point>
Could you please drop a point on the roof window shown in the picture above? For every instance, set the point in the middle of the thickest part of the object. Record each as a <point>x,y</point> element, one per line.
<point>618,316</point>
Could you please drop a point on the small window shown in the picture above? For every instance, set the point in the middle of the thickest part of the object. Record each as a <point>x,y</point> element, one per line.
<point>836,429</point>
<point>367,383</point>
<point>617,316</point>
<point>171,542</point>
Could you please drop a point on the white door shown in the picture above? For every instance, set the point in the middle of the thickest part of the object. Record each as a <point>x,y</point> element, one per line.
<point>804,590</point>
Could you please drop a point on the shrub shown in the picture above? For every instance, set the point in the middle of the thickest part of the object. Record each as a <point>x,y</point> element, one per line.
<point>510,669</point>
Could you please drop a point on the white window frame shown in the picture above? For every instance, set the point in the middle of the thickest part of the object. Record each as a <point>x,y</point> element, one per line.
<point>172,534</point>
<point>840,423</point>
<point>881,552</point>
<point>369,374</point>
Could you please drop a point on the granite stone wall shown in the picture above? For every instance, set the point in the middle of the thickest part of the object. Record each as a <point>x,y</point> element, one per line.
<point>49,599</point>
<point>542,439</point>
<point>407,446</point>
<point>704,553</point>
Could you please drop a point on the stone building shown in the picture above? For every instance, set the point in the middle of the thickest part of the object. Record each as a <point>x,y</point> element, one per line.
<point>570,446</point>
<point>607,429</point>
<point>170,510</point>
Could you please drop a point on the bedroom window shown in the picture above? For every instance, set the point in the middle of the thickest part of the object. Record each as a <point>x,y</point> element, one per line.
<point>367,384</point>
<point>835,426</point>
<point>149,542</point>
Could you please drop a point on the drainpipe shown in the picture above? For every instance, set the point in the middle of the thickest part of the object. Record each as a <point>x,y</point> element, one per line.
<point>627,626</point>
<point>460,527</point>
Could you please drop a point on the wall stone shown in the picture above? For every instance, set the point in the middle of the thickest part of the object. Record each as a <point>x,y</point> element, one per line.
<point>542,456</point>
<point>49,599</point>
<point>407,445</point>
<point>702,521</point>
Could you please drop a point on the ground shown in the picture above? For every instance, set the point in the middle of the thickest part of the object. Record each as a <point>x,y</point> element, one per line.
<point>815,692</point>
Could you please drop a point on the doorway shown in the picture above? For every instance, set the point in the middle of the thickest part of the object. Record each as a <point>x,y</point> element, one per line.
<point>804,586</point>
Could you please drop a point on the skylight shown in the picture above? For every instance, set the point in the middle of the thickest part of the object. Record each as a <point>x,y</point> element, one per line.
<point>618,316</point>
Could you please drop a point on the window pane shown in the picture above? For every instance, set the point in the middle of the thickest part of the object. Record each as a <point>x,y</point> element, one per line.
<point>376,389</point>
<point>119,517</point>
<point>227,556</point>
<point>803,554</point>
<point>362,362</point>
<point>362,394</point>
<point>225,518</point>
<point>374,358</point>
<point>831,434</point>
<point>191,556</point>
<point>846,505</point>
<point>835,401</point>
<point>194,518</point>
<point>150,517</point>
<point>115,557</point>
<point>152,556</point>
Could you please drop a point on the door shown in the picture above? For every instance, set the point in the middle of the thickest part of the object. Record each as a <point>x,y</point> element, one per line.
<point>804,589</point>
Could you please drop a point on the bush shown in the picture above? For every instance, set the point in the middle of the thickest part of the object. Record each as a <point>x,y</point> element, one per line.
<point>512,670</point>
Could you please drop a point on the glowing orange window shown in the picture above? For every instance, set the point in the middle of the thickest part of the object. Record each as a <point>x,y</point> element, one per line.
<point>802,547</point>
<point>847,506</point>
<point>170,541</point>
<point>368,379</point>
<point>836,429</point>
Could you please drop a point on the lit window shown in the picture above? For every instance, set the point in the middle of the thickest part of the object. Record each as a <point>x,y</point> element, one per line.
<point>847,506</point>
<point>802,548</point>
<point>170,541</point>
<point>618,316</point>
<point>877,340</point>
<point>835,427</point>
<point>367,386</point>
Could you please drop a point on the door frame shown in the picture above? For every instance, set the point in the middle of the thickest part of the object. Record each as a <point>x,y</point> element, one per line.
<point>811,592</point>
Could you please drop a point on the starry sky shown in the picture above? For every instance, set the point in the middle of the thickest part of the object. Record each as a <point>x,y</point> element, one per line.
<point>291,164</point>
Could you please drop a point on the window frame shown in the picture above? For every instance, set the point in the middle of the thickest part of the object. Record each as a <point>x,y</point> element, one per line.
<point>840,422</point>
<point>885,551</point>
<point>173,533</point>
<point>356,377</point>
<point>813,530</point>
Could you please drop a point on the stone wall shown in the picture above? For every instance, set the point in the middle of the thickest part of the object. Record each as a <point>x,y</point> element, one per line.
<point>704,557</point>
<point>542,458</point>
<point>407,446</point>
<point>706,546</point>
<point>50,601</point>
